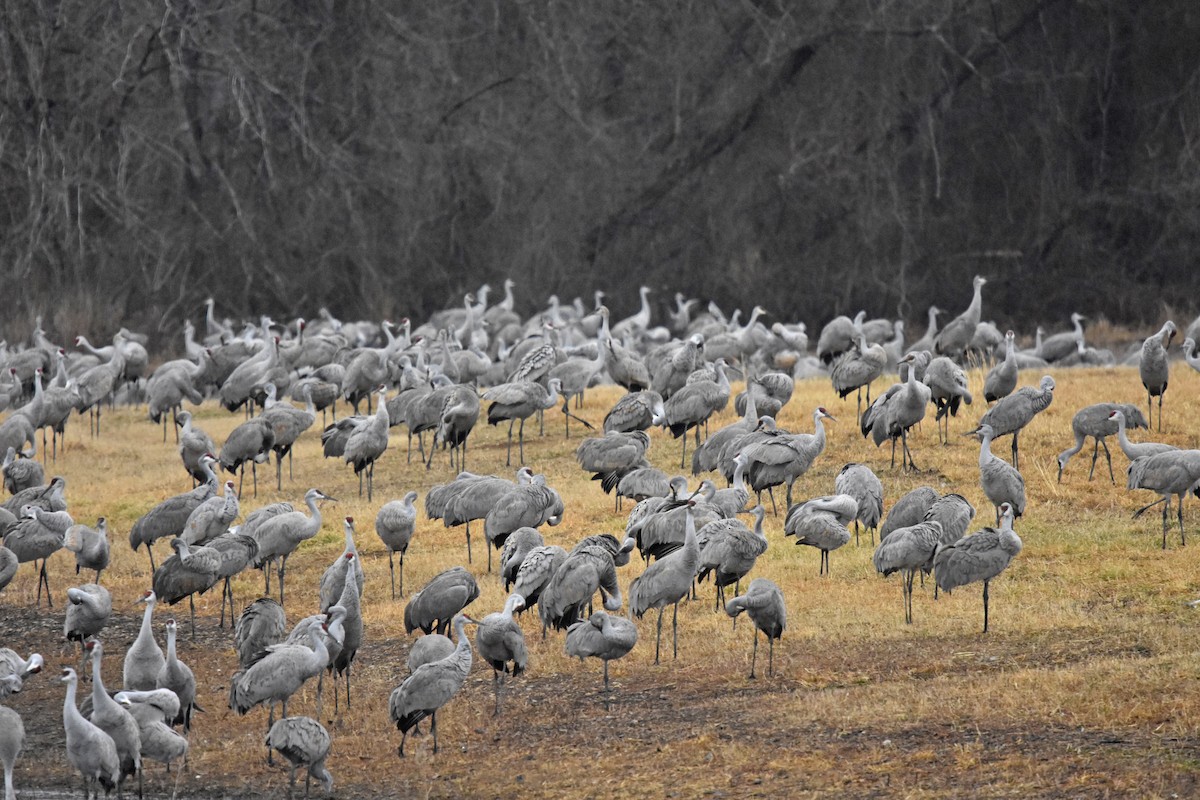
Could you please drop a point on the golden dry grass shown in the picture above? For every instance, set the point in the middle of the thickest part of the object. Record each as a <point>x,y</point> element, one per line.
<point>1086,685</point>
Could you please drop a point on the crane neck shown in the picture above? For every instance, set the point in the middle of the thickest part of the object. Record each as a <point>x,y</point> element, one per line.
<point>985,449</point>
<point>739,469</point>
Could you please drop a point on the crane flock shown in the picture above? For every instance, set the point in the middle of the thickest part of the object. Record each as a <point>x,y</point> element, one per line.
<point>444,373</point>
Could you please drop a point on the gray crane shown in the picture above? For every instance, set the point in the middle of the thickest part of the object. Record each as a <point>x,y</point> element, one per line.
<point>838,336</point>
<point>823,523</point>
<point>658,526</point>
<point>90,750</point>
<point>896,411</point>
<point>15,432</point>
<point>431,686</point>
<point>151,710</point>
<point>1154,370</point>
<point>905,551</point>
<point>1097,422</point>
<point>249,442</point>
<point>516,547</point>
<point>1002,378</point>
<point>144,659</point>
<point>861,483</point>
<point>956,336</point>
<point>367,443</point>
<point>707,457</point>
<point>783,458</point>
<point>692,404</point>
<point>90,546</point>
<point>526,505</point>
<point>536,570</point>
<point>334,577</point>
<point>613,456</point>
<point>586,569</point>
<point>237,551</point>
<point>304,742</point>
<point>191,571</point>
<point>667,581</point>
<point>194,444</point>
<point>501,642</point>
<point>48,498</point>
<point>641,483</point>
<point>470,497</point>
<point>771,391</point>
<point>394,524</point>
<point>279,536</point>
<point>979,557</point>
<point>12,739</point>
<point>37,536</point>
<point>260,625</point>
<point>331,626</point>
<point>672,374</point>
<point>1062,345</point>
<point>732,499</point>
<point>626,367</point>
<point>948,390</point>
<point>729,550</point>
<point>855,369</point>
<point>1189,353</point>
<point>21,473</point>
<point>111,717</point>
<point>352,631</point>
<point>248,378</point>
<point>1011,414</point>
<point>434,606</point>
<point>89,608</point>
<point>519,400</point>
<point>763,603</point>
<point>1173,473</point>
<point>459,413</point>
<point>8,566</point>
<point>287,423</point>
<point>97,384</point>
<point>14,670</point>
<point>601,636</point>
<point>1136,450</point>
<point>177,676</point>
<point>575,375</point>
<point>1001,482</point>
<point>168,518</point>
<point>634,412</point>
<point>211,518</point>
<point>425,649</point>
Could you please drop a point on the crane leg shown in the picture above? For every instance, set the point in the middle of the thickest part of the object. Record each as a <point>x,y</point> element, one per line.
<point>658,635</point>
<point>521,440</point>
<point>1108,457</point>
<point>282,569</point>
<point>1179,510</point>
<point>770,656</point>
<point>370,480</point>
<point>754,655</point>
<point>1095,455</point>
<point>487,547</point>
<point>985,606</point>
<point>683,452</point>
<point>468,541</point>
<point>392,573</point>
<point>496,681</point>
<point>241,477</point>
<point>192,605</point>
<point>606,675</point>
<point>254,474</point>
<point>675,632</point>
<point>433,724</point>
<point>508,450</point>
<point>1160,397</point>
<point>1166,515</point>
<point>402,573</point>
<point>270,724</point>
<point>278,472</point>
<point>771,492</point>
<point>1015,451</point>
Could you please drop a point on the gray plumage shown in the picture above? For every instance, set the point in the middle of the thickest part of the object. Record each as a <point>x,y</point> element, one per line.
<point>278,675</point>
<point>1173,473</point>
<point>707,456</point>
<point>12,738</point>
<point>280,535</point>
<point>837,336</point>
<point>90,546</point>
<point>1096,421</point>
<point>1001,482</point>
<point>771,391</point>
<point>667,581</point>
<point>528,505</point>
<point>8,566</point>
<point>1061,345</point>
<point>21,473</point>
<point>947,389</point>
<point>659,526</point>
<point>732,499</point>
<point>1011,414</point>
<point>783,458</point>
<point>249,442</point>
<point>425,649</point>
<point>642,483</point>
<point>1002,378</point>
<point>955,337</point>
<point>822,523</point>
<point>763,603</point>
<point>671,375</point>
<point>1153,368</point>
<point>855,369</point>
<point>90,750</point>
<point>394,524</point>
<point>38,535</point>
<point>434,606</point>
<point>287,423</point>
<point>304,742</point>
<point>166,520</point>
<point>352,628</point>
<point>431,686</point>
<point>89,608</point>
<point>177,676</point>
<point>691,406</point>
<point>470,497</point>
<point>896,411</point>
<point>601,636</point>
<point>729,550</point>
<point>260,625</point>
<point>151,710</point>
<point>979,557</point>
<point>905,551</point>
<point>194,443</point>
<point>908,510</point>
<point>1135,450</point>
<point>954,513</point>
<point>612,456</point>
<point>112,718</point>
<point>516,547</point>
<point>519,401</point>
<point>144,659</point>
<point>48,498</point>
<point>579,576</point>
<point>236,552</point>
<point>861,483</point>
<point>459,413</point>
<point>191,571</point>
<point>500,642</point>
<point>14,670</point>
<point>634,412</point>
<point>367,443</point>
<point>333,580</point>
<point>536,570</point>
<point>211,518</point>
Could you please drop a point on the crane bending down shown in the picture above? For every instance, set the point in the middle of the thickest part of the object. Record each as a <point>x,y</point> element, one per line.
<point>763,603</point>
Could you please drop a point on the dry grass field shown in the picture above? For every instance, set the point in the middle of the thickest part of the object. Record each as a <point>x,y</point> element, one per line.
<point>1087,685</point>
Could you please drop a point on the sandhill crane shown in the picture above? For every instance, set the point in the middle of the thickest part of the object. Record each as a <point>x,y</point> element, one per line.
<point>304,742</point>
<point>671,375</point>
<point>658,526</point>
<point>500,641</point>
<point>90,546</point>
<point>730,549</point>
<point>15,432</point>
<point>249,442</point>
<point>211,518</point>
<point>151,710</point>
<point>625,367</point>
<point>979,557</point>
<point>177,676</point>
<point>279,536</point>
<point>1175,472</point>
<point>947,389</point>
<point>456,420</point>
<point>1096,421</point>
<point>97,384</point>
<point>431,686</point>
<point>634,412</point>
<point>37,536</point>
<point>14,670</point>
<point>90,750</point>
<point>1001,482</point>
<point>823,523</point>
<point>470,497</point>
<point>858,481</point>
<point>1002,378</point>
<point>1136,450</point>
<point>1011,414</point>
<point>525,505</point>
<point>144,659</point>
<point>48,498</point>
<point>783,458</point>
<point>588,568</point>
<point>1061,345</point>
<point>601,636</point>
<point>838,336</point>
<point>1153,368</point>
<point>905,551</point>
<point>331,626</point>
<point>908,510</point>
<point>12,738</point>
<point>88,610</point>
<point>955,337</point>
<point>707,457</point>
<point>21,473</point>
<point>236,552</point>
<point>167,518</point>
<point>1189,353</point>
<point>260,625</point>
<point>516,547</point>
<point>692,404</point>
<point>191,571</point>
<point>612,456</point>
<point>367,443</point>
<point>394,524</point>
<point>519,400</point>
<point>763,603</point>
<point>434,606</point>
<point>896,411</point>
<point>8,566</point>
<point>194,444</point>
<point>855,369</point>
<point>667,581</point>
<point>287,423</point>
<point>352,627</point>
<point>111,717</point>
<point>574,375</point>
<point>334,577</point>
<point>537,568</point>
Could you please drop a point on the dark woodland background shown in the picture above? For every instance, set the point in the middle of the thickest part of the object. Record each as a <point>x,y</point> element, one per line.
<point>382,158</point>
